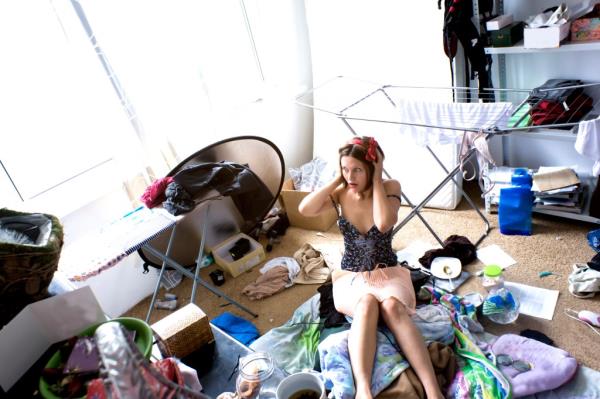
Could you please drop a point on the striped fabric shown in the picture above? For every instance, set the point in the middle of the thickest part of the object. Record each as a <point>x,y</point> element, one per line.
<point>105,248</point>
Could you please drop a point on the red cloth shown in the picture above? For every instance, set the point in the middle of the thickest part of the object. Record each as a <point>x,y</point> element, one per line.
<point>154,194</point>
<point>548,111</point>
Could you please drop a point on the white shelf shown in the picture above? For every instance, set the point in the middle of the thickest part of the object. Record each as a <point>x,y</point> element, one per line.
<point>568,46</point>
<point>569,215</point>
<point>554,134</point>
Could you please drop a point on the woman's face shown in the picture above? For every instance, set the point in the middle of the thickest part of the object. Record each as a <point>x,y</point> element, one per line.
<point>356,173</point>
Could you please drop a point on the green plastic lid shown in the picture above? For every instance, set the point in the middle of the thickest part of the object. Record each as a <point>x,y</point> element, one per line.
<point>492,270</point>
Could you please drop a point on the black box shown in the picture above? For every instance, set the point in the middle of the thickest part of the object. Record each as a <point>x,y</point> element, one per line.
<point>508,35</point>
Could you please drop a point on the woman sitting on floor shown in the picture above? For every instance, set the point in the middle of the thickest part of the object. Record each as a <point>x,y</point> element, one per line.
<point>370,284</point>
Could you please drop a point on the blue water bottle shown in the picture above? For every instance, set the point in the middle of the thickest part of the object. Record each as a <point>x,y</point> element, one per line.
<point>516,202</point>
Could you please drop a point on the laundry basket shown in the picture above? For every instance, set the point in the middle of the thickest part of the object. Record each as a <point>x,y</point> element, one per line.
<point>30,245</point>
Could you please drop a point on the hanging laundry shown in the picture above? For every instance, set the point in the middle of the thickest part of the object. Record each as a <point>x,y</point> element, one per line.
<point>587,142</point>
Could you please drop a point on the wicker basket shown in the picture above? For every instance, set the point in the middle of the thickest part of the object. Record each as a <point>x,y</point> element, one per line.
<point>27,270</point>
<point>183,331</point>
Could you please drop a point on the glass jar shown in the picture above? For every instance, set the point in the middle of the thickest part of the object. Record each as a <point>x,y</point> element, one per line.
<point>492,278</point>
<point>258,377</point>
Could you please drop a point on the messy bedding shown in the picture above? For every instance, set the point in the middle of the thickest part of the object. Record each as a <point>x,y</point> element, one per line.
<point>463,354</point>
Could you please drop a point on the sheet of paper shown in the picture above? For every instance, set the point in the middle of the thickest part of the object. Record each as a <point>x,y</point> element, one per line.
<point>534,301</point>
<point>414,251</point>
<point>552,179</point>
<point>494,255</point>
<point>41,324</point>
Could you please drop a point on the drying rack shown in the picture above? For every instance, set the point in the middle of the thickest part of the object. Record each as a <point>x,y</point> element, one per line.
<point>391,98</point>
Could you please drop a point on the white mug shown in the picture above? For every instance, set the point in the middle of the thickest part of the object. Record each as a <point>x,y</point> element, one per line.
<point>295,383</point>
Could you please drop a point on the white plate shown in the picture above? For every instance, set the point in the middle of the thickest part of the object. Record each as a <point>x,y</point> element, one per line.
<point>446,267</point>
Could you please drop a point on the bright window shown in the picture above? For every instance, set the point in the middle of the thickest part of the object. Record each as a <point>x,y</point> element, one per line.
<point>94,93</point>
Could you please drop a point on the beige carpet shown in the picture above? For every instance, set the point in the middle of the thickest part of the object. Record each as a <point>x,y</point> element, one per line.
<point>554,246</point>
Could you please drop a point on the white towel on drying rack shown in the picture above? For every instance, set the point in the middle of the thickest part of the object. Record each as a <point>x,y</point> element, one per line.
<point>461,116</point>
<point>588,142</point>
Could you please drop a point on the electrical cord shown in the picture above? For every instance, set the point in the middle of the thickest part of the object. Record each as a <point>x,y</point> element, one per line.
<point>570,313</point>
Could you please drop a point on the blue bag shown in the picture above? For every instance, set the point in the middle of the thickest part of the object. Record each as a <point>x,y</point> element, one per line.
<point>593,238</point>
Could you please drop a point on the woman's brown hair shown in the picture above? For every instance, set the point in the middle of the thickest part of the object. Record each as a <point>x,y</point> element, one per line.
<point>362,149</point>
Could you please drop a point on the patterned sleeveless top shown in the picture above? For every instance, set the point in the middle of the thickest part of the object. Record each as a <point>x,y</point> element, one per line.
<point>364,252</point>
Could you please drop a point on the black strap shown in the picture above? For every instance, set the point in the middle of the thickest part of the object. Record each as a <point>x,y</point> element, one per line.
<point>335,206</point>
<point>395,196</point>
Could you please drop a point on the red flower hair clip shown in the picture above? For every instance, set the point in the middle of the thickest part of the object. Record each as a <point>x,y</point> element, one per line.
<point>371,149</point>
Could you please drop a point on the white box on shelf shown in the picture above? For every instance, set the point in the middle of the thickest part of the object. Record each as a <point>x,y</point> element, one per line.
<point>499,22</point>
<point>548,37</point>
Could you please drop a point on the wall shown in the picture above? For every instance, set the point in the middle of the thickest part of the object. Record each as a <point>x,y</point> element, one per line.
<point>384,41</point>
<point>281,37</point>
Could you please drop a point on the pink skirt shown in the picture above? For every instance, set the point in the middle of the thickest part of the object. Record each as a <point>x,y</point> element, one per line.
<point>349,287</point>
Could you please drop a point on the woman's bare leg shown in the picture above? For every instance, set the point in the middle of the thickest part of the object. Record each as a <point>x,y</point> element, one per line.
<point>362,342</point>
<point>411,342</point>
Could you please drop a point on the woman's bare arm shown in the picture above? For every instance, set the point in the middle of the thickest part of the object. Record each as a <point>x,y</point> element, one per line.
<point>318,201</point>
<point>385,209</point>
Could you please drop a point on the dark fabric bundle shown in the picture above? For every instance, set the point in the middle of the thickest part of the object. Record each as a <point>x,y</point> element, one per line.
<point>595,262</point>
<point>454,246</point>
<point>327,312</point>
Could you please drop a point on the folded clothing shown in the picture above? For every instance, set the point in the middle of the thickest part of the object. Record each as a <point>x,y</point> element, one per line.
<point>550,367</point>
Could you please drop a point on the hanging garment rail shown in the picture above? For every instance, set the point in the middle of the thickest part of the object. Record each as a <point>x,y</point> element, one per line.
<point>459,119</point>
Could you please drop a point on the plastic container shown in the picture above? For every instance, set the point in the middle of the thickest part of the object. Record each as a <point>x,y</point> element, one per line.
<point>516,203</point>
<point>492,278</point>
<point>258,377</point>
<point>501,306</point>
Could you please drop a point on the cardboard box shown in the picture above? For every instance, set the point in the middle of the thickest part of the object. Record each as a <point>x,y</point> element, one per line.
<point>587,27</point>
<point>549,37</point>
<point>26,337</point>
<point>499,22</point>
<point>183,331</point>
<point>508,36</point>
<point>291,199</point>
<point>225,261</point>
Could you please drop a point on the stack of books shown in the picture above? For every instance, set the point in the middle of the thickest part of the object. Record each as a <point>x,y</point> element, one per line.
<point>558,189</point>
